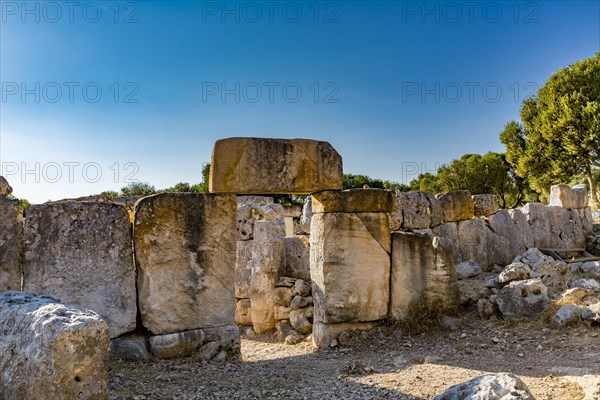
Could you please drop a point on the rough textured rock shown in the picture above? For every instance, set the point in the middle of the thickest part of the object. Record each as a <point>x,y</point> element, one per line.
<point>185,253</point>
<point>80,252</point>
<point>282,296</point>
<point>5,188</point>
<point>248,214</point>
<point>350,266</point>
<point>416,210</point>
<point>241,200</point>
<point>243,268</point>
<point>485,204</point>
<point>50,350</point>
<point>179,344</point>
<point>478,243</point>
<point>500,386</point>
<point>568,314</point>
<point>272,166</point>
<point>468,269</point>
<point>536,215</point>
<point>533,257</point>
<point>353,201</point>
<point>522,299</point>
<point>282,313</point>
<point>301,302</point>
<point>301,288</point>
<point>449,230</point>
<point>306,217</point>
<point>485,309</point>
<point>423,275</point>
<point>567,197</point>
<point>11,242</point>
<point>300,320</point>
<point>243,312</point>
<point>324,335</point>
<point>516,232</point>
<point>131,346</point>
<point>589,284</point>
<point>523,227</point>
<point>297,257</point>
<point>514,272</point>
<point>457,206</point>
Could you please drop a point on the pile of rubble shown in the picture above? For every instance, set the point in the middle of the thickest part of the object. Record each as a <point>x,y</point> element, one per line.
<point>294,310</point>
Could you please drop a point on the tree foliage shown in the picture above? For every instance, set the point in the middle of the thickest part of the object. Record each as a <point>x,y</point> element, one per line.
<point>478,174</point>
<point>351,181</point>
<point>138,189</point>
<point>560,132</point>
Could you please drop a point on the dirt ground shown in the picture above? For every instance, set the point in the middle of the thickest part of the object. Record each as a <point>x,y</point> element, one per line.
<point>386,363</point>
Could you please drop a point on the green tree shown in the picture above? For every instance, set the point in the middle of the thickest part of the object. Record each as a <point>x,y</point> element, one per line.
<point>138,189</point>
<point>351,181</point>
<point>110,194</point>
<point>560,135</point>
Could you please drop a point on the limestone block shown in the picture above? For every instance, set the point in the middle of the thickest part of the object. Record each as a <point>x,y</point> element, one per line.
<point>419,210</point>
<point>81,253</point>
<point>503,225</point>
<point>325,334</point>
<point>243,312</point>
<point>297,257</point>
<point>268,259</point>
<point>274,166</point>
<point>539,221</point>
<point>51,350</point>
<point>485,204</point>
<point>12,243</point>
<point>179,344</point>
<point>449,230</point>
<point>523,226</point>
<point>350,266</point>
<point>522,299</point>
<point>353,201</point>
<point>457,206</point>
<point>185,252</point>
<point>423,275</point>
<point>243,268</point>
<point>131,346</point>
<point>567,197</point>
<point>307,214</point>
<point>204,344</point>
<point>248,214</point>
<point>241,200</point>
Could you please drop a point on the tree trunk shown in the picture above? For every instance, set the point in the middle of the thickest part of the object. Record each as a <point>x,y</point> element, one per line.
<point>594,200</point>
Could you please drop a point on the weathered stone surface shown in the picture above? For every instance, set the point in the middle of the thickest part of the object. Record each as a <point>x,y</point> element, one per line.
<point>223,344</point>
<point>591,312</point>
<point>81,253</point>
<point>50,350</point>
<point>591,267</point>
<point>505,226</point>
<point>268,262</point>
<point>179,344</point>
<point>185,252</point>
<point>568,314</point>
<point>500,386</point>
<point>553,274</point>
<point>243,312</point>
<point>5,188</point>
<point>485,204</point>
<point>533,257</point>
<point>301,288</point>
<point>589,284</point>
<point>515,272</point>
<point>522,299</point>
<point>282,313</point>
<point>457,206</point>
<point>307,214</point>
<point>12,242</point>
<point>416,210</point>
<point>472,290</point>
<point>324,334</point>
<point>297,257</point>
<point>243,268</point>
<point>485,309</point>
<point>523,226</point>
<point>537,217</point>
<point>350,266</point>
<point>272,166</point>
<point>423,275</point>
<point>468,269</point>
<point>254,200</point>
<point>248,214</point>
<point>131,346</point>
<point>567,197</point>
<point>353,201</point>
<point>449,230</point>
<point>300,320</point>
<point>282,296</point>
<point>301,302</point>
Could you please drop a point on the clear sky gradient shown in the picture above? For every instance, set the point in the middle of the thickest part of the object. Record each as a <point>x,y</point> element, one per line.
<point>95,94</point>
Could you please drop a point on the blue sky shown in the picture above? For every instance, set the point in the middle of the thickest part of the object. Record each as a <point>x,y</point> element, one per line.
<point>95,94</point>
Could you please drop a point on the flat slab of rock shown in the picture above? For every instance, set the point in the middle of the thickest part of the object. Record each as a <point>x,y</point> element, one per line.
<point>350,266</point>
<point>457,206</point>
<point>80,253</point>
<point>51,350</point>
<point>501,386</point>
<point>274,166</point>
<point>353,201</point>
<point>12,244</point>
<point>185,252</point>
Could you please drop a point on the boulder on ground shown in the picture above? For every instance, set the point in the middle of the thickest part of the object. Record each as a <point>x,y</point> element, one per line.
<point>500,386</point>
<point>81,253</point>
<point>274,166</point>
<point>468,269</point>
<point>568,314</point>
<point>514,272</point>
<point>522,299</point>
<point>51,350</point>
